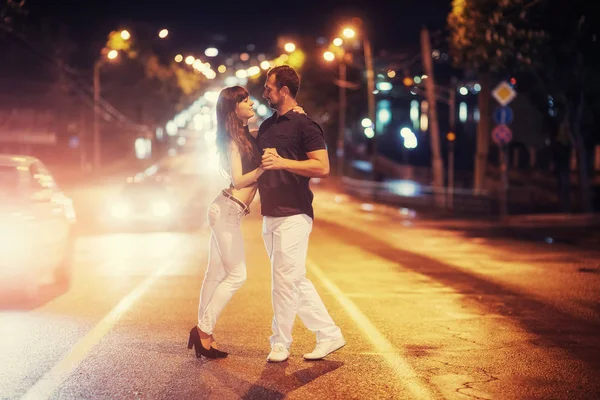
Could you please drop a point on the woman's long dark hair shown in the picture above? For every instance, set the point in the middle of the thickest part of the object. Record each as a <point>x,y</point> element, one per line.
<point>229,126</point>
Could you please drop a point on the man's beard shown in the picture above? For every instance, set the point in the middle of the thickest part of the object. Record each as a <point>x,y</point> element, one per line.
<point>273,105</point>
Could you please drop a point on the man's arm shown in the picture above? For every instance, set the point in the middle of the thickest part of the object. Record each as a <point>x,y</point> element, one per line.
<point>317,165</point>
<point>313,143</point>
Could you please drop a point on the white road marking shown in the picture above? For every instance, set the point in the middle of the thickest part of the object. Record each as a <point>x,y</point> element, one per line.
<point>47,385</point>
<point>401,368</point>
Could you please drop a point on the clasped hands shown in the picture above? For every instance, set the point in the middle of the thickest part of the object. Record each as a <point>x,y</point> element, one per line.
<point>271,160</point>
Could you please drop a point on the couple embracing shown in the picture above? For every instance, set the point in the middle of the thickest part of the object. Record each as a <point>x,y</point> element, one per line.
<point>278,161</point>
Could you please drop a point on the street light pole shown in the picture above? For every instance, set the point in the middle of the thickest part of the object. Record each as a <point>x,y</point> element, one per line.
<point>350,33</point>
<point>438,167</point>
<point>452,114</point>
<point>450,92</point>
<point>110,55</point>
<point>371,97</point>
<point>370,78</point>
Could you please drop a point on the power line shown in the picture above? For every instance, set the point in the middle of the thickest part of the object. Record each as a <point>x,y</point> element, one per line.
<point>75,78</point>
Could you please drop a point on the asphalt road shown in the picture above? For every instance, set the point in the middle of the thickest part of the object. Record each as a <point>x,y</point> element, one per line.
<point>427,312</point>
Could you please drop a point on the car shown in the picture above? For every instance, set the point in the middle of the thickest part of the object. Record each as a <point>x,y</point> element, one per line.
<point>37,221</point>
<point>147,203</point>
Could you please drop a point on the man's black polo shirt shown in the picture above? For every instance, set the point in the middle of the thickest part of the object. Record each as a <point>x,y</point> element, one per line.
<point>283,193</point>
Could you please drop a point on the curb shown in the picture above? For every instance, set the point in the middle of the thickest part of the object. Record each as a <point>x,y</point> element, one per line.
<point>332,185</point>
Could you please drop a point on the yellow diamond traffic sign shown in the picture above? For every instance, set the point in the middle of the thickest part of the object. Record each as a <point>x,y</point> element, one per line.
<point>504,93</point>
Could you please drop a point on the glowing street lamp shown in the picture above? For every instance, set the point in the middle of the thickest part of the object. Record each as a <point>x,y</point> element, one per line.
<point>125,35</point>
<point>211,52</point>
<point>289,47</point>
<point>348,33</point>
<point>163,33</point>
<point>329,56</point>
<point>253,71</point>
<point>178,58</point>
<point>189,60</point>
<point>338,42</point>
<point>199,65</point>
<point>112,54</point>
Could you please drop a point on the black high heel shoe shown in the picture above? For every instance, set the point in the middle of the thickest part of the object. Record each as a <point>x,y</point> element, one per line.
<point>219,353</point>
<point>194,341</point>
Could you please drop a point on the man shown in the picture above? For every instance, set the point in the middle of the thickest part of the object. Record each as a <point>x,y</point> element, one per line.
<point>294,151</point>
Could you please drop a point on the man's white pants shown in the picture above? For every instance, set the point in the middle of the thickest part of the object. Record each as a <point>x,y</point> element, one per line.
<point>286,240</point>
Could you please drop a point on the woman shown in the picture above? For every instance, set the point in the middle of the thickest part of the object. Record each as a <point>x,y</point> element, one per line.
<point>240,158</point>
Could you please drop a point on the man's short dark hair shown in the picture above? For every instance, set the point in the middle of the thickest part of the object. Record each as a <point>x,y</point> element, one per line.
<point>286,76</point>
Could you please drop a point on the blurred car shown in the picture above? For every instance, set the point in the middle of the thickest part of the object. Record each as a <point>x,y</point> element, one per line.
<point>145,203</point>
<point>36,226</point>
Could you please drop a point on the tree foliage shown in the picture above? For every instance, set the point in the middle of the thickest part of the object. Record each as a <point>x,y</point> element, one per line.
<point>10,12</point>
<point>551,45</point>
<point>160,90</point>
<point>492,35</point>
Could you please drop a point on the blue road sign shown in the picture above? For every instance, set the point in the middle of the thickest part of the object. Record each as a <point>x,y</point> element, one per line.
<point>503,115</point>
<point>502,134</point>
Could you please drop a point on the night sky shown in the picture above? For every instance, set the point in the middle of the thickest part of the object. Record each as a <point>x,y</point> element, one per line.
<point>392,25</point>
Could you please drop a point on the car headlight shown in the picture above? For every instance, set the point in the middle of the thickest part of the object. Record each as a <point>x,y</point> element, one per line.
<point>161,208</point>
<point>120,210</point>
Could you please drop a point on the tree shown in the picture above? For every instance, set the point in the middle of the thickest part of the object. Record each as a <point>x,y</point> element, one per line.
<point>551,49</point>
<point>10,12</point>
<point>565,71</point>
<point>483,35</point>
<point>35,56</point>
<point>148,89</point>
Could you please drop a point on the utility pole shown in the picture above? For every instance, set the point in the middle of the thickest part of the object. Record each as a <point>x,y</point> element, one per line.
<point>504,182</point>
<point>371,98</point>
<point>451,139</point>
<point>342,120</point>
<point>437,164</point>
<point>452,104</point>
<point>483,133</point>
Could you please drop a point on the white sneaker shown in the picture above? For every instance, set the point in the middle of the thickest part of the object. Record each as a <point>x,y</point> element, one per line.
<point>278,353</point>
<point>325,348</point>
